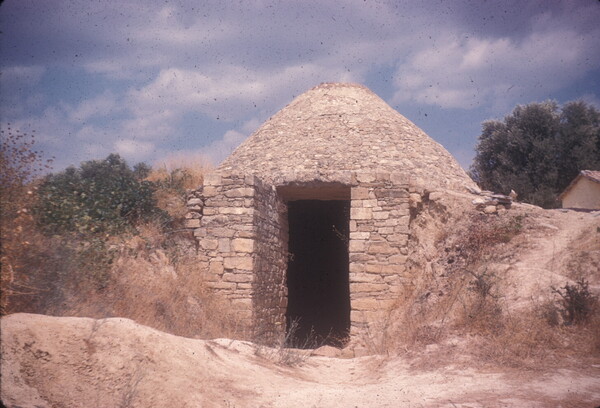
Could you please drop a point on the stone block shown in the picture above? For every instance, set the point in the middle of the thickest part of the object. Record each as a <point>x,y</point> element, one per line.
<point>381,215</point>
<point>381,248</point>
<point>200,232</point>
<point>386,230</point>
<point>238,262</point>
<point>391,193</point>
<point>368,303</point>
<point>361,213</point>
<point>224,245</point>
<point>210,191</point>
<point>356,267</point>
<point>398,259</point>
<point>359,193</point>
<point>360,235</point>
<point>223,285</point>
<point>237,277</point>
<point>240,192</point>
<point>399,179</point>
<point>212,179</point>
<point>369,203</point>
<point>208,244</point>
<point>364,177</point>
<point>192,223</point>
<point>356,203</point>
<point>367,287</point>
<point>222,232</point>
<point>365,277</point>
<point>210,211</point>
<point>398,239</point>
<point>236,210</point>
<point>356,245</point>
<point>194,202</point>
<point>242,245</point>
<point>216,268</point>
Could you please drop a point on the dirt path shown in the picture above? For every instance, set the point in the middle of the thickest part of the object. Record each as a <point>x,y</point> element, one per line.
<point>542,260</point>
<point>77,362</point>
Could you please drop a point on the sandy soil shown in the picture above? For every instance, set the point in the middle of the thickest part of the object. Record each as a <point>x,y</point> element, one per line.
<point>79,362</point>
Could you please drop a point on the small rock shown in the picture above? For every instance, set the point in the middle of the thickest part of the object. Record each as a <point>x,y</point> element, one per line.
<point>473,190</point>
<point>490,209</point>
<point>435,196</point>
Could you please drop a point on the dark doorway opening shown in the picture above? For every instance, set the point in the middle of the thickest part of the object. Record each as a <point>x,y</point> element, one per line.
<point>318,309</point>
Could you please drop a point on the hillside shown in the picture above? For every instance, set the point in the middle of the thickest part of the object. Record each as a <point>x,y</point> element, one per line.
<point>73,362</point>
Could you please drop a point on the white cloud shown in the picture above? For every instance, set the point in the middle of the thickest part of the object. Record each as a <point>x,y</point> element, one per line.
<point>134,149</point>
<point>102,105</point>
<point>28,75</point>
<point>467,73</point>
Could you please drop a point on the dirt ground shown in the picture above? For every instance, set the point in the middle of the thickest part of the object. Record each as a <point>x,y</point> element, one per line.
<point>82,362</point>
<point>79,362</point>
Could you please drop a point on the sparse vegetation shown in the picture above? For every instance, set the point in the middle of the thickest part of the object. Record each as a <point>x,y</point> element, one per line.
<point>96,244</point>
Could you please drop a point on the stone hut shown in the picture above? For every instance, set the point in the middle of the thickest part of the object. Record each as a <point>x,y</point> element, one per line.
<point>307,223</point>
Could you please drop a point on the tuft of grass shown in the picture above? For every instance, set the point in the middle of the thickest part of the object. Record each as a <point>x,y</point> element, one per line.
<point>287,350</point>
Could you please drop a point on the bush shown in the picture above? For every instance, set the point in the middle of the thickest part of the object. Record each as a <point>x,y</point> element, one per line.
<point>577,303</point>
<point>101,196</point>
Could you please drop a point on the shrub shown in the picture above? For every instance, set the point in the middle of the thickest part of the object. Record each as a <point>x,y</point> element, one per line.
<point>100,196</point>
<point>577,303</point>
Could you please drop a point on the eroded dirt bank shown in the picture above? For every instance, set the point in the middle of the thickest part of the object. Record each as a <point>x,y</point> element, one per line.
<point>78,362</point>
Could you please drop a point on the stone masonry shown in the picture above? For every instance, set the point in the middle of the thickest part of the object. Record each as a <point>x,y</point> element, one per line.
<point>336,141</point>
<point>241,227</point>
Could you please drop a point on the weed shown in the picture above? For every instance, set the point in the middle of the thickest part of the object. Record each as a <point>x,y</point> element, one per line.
<point>288,350</point>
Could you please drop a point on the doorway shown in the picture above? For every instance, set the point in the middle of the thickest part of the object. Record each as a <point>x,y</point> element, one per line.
<point>318,310</point>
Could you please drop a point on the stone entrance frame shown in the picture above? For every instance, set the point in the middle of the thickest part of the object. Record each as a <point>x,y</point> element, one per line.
<point>241,227</point>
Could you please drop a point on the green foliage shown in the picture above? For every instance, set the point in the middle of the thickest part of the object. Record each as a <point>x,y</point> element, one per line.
<point>537,150</point>
<point>100,196</point>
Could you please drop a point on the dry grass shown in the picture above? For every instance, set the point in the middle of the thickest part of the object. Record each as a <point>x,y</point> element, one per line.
<point>150,275</point>
<point>460,300</point>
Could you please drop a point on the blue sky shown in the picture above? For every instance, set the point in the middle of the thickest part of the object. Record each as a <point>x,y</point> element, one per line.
<point>170,81</point>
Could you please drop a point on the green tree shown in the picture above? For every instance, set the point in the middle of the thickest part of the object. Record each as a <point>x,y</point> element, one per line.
<point>99,196</point>
<point>537,150</point>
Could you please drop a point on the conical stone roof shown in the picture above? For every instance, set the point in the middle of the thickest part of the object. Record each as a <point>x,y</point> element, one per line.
<point>344,127</point>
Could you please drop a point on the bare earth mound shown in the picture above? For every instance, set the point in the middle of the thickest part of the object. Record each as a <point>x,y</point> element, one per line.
<point>79,362</point>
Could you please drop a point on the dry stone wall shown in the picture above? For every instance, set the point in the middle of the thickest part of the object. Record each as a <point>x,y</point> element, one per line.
<point>269,300</point>
<point>242,231</point>
<point>241,228</point>
<point>378,248</point>
<point>224,228</point>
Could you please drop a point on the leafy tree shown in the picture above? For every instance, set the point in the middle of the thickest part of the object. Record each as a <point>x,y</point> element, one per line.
<point>537,150</point>
<point>100,196</point>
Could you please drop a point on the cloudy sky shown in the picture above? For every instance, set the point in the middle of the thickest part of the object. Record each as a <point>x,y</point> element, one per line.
<point>158,81</point>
